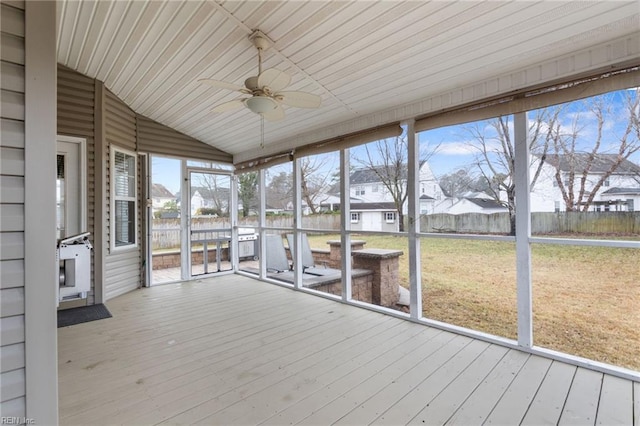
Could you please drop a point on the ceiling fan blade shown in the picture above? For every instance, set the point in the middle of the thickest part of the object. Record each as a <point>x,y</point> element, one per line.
<point>274,79</point>
<point>228,106</point>
<point>299,99</point>
<point>224,85</point>
<point>276,114</point>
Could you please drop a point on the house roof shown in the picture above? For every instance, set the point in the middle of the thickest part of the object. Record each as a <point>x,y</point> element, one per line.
<point>372,63</point>
<point>160,191</point>
<point>600,164</point>
<point>369,175</point>
<point>207,193</point>
<point>622,191</point>
<point>373,206</point>
<point>426,197</point>
<point>485,203</point>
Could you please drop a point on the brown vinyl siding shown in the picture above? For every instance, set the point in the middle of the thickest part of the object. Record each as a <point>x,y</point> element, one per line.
<point>76,109</point>
<point>154,138</point>
<point>12,215</point>
<point>122,267</point>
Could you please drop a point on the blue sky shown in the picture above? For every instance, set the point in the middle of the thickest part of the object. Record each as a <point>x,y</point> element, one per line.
<point>454,142</point>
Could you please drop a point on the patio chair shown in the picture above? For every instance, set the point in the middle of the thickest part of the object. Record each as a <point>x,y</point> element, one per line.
<point>276,256</point>
<point>308,263</point>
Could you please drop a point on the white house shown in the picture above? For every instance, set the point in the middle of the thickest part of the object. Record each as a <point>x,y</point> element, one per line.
<point>469,202</point>
<point>160,195</point>
<point>374,217</point>
<point>366,185</point>
<point>623,184</point>
<point>206,198</point>
<point>620,199</point>
<point>476,205</point>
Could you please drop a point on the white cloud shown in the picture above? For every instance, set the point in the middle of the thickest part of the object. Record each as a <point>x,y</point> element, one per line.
<point>456,148</point>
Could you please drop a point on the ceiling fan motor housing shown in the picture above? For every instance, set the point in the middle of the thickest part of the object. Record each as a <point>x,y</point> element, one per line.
<point>252,83</point>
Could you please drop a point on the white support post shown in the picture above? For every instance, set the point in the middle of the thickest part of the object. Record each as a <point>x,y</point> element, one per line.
<point>262,251</point>
<point>235,258</point>
<point>185,223</point>
<point>523,231</point>
<point>297,222</point>
<point>40,264</point>
<point>413,216</point>
<point>345,226</point>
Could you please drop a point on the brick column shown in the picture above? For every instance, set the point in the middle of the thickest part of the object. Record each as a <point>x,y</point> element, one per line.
<point>334,251</point>
<point>385,267</point>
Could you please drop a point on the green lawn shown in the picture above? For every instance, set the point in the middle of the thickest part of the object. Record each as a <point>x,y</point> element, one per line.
<point>585,299</point>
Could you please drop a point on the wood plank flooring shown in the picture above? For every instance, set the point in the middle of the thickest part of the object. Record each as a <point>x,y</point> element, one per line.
<point>233,350</point>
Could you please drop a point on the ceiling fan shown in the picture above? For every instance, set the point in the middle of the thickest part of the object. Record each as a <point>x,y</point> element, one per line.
<point>266,95</point>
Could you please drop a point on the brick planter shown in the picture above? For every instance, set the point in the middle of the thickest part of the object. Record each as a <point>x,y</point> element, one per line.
<point>385,267</point>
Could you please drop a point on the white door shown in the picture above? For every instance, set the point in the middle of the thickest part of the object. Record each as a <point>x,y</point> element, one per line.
<point>70,180</point>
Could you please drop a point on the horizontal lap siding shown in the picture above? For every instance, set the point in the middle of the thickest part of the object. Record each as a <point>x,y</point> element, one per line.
<point>122,268</point>
<point>76,109</point>
<point>12,336</point>
<point>155,138</point>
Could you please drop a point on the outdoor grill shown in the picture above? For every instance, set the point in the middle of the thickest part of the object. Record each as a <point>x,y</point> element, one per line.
<point>247,243</point>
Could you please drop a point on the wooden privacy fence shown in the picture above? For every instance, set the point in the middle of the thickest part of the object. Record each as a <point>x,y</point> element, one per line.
<point>166,232</point>
<point>626,223</point>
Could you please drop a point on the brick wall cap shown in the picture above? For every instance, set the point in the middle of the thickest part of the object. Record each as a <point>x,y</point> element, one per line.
<point>339,242</point>
<point>374,253</point>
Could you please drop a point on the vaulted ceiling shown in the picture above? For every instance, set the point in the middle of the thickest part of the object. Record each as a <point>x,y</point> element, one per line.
<point>372,62</point>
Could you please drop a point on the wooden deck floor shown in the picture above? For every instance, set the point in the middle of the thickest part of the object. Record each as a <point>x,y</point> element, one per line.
<point>232,350</point>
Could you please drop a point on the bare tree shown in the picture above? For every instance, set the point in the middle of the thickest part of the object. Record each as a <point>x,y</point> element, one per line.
<point>496,155</point>
<point>215,189</point>
<point>248,192</point>
<point>579,173</point>
<point>388,161</point>
<point>315,180</point>
<point>280,190</point>
<point>460,181</point>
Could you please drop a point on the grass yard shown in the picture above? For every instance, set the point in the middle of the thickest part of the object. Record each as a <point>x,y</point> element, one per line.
<point>586,300</point>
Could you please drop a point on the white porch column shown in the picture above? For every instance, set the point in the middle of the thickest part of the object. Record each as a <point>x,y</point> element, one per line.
<point>413,216</point>
<point>523,231</point>
<point>41,269</point>
<point>262,220</point>
<point>296,255</point>
<point>345,225</point>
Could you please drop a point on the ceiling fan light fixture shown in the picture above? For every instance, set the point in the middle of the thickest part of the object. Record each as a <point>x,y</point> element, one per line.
<point>261,104</point>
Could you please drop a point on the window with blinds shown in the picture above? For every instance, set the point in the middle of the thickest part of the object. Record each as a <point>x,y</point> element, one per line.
<point>123,184</point>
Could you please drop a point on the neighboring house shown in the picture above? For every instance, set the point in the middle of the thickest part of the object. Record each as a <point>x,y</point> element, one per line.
<point>619,199</point>
<point>623,183</point>
<point>427,204</point>
<point>366,185</point>
<point>372,204</point>
<point>329,202</point>
<point>374,217</point>
<point>160,195</point>
<point>469,202</point>
<point>476,205</point>
<point>207,198</point>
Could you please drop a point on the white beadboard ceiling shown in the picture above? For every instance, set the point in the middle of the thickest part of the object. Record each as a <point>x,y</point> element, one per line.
<point>372,62</point>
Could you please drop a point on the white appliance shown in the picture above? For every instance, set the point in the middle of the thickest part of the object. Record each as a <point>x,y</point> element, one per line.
<point>74,257</point>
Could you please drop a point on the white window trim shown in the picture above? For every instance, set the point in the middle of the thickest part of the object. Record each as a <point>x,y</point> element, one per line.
<point>82,142</point>
<point>386,217</point>
<point>112,216</point>
<point>357,217</point>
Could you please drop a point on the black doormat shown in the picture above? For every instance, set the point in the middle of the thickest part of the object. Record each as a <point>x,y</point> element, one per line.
<point>82,314</point>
